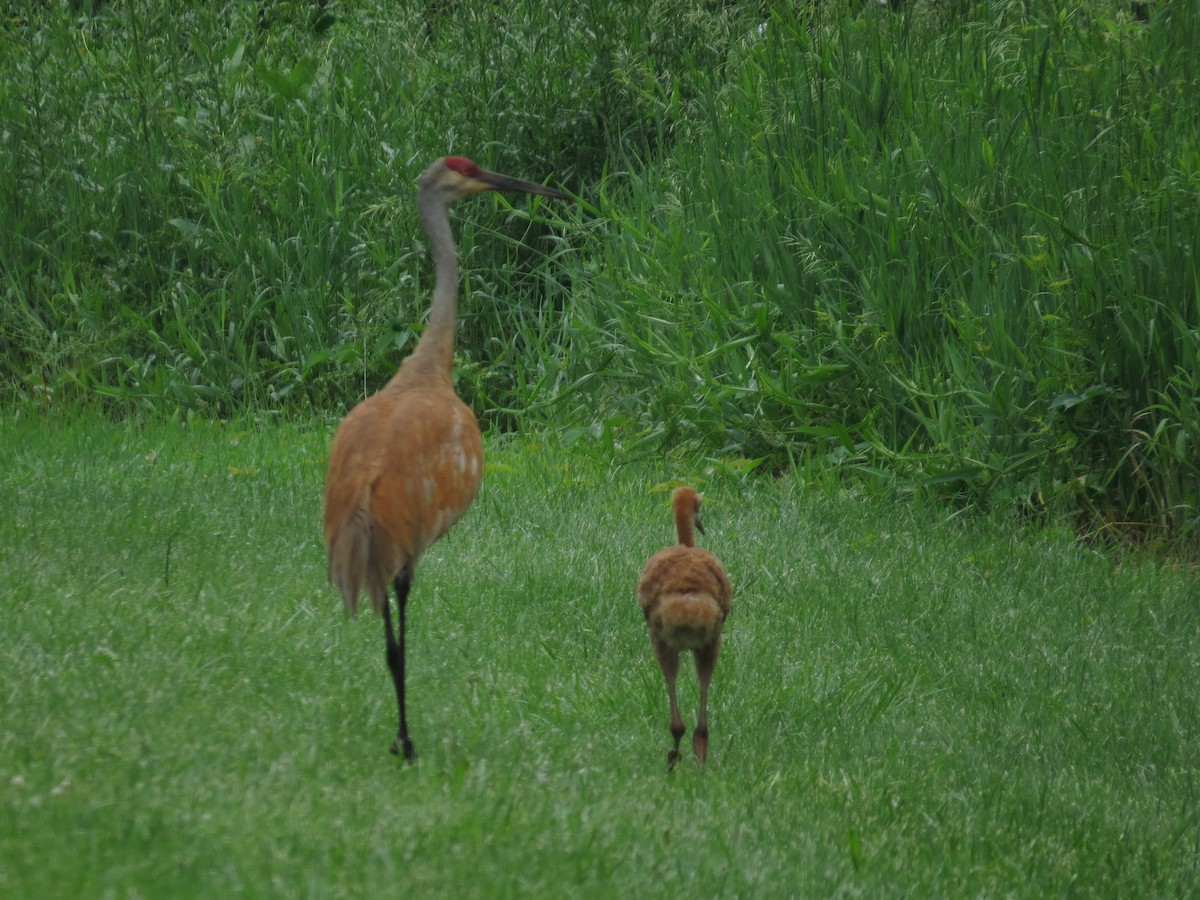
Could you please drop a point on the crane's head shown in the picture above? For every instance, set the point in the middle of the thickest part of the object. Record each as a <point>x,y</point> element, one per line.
<point>455,177</point>
<point>686,503</point>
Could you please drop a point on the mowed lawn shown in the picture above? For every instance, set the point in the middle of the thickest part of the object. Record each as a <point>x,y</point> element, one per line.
<point>908,702</point>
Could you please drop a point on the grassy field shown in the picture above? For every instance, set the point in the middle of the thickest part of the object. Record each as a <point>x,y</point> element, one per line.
<point>908,704</point>
<point>911,296</point>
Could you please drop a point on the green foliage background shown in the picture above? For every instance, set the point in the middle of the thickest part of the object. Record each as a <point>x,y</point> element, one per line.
<point>950,247</point>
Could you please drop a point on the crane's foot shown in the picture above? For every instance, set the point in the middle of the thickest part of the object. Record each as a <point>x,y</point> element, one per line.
<point>677,731</point>
<point>405,746</point>
<point>700,745</point>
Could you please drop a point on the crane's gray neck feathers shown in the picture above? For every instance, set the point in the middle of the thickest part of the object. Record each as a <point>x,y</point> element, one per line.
<point>437,342</point>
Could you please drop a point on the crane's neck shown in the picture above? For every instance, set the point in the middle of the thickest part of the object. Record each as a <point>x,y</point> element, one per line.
<point>685,527</point>
<point>436,346</point>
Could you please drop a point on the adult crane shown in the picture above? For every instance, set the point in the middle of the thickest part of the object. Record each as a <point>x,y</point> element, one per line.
<point>407,461</point>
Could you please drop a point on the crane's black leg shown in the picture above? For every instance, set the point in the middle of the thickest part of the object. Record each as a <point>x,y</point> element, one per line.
<point>395,661</point>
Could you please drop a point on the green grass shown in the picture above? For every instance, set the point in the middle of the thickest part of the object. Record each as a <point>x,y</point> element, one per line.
<point>906,704</point>
<point>953,253</point>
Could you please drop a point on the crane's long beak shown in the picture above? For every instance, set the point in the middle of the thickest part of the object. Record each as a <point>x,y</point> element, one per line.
<point>499,182</point>
<point>700,527</point>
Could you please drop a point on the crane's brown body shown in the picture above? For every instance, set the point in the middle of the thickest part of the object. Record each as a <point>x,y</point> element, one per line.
<point>407,461</point>
<point>405,465</point>
<point>685,596</point>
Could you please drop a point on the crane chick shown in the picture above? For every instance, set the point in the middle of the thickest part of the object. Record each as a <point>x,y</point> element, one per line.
<point>407,461</point>
<point>685,596</point>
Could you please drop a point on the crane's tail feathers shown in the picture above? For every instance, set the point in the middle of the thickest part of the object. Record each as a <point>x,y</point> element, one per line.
<point>352,568</point>
<point>690,620</point>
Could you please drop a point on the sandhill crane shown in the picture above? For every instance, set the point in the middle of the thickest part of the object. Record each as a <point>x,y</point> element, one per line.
<point>407,461</point>
<point>685,595</point>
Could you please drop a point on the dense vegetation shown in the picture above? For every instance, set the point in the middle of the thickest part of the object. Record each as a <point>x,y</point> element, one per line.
<point>951,246</point>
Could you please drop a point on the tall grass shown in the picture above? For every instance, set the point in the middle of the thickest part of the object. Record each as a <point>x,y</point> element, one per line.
<point>211,207</point>
<point>965,254</point>
<point>952,247</point>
